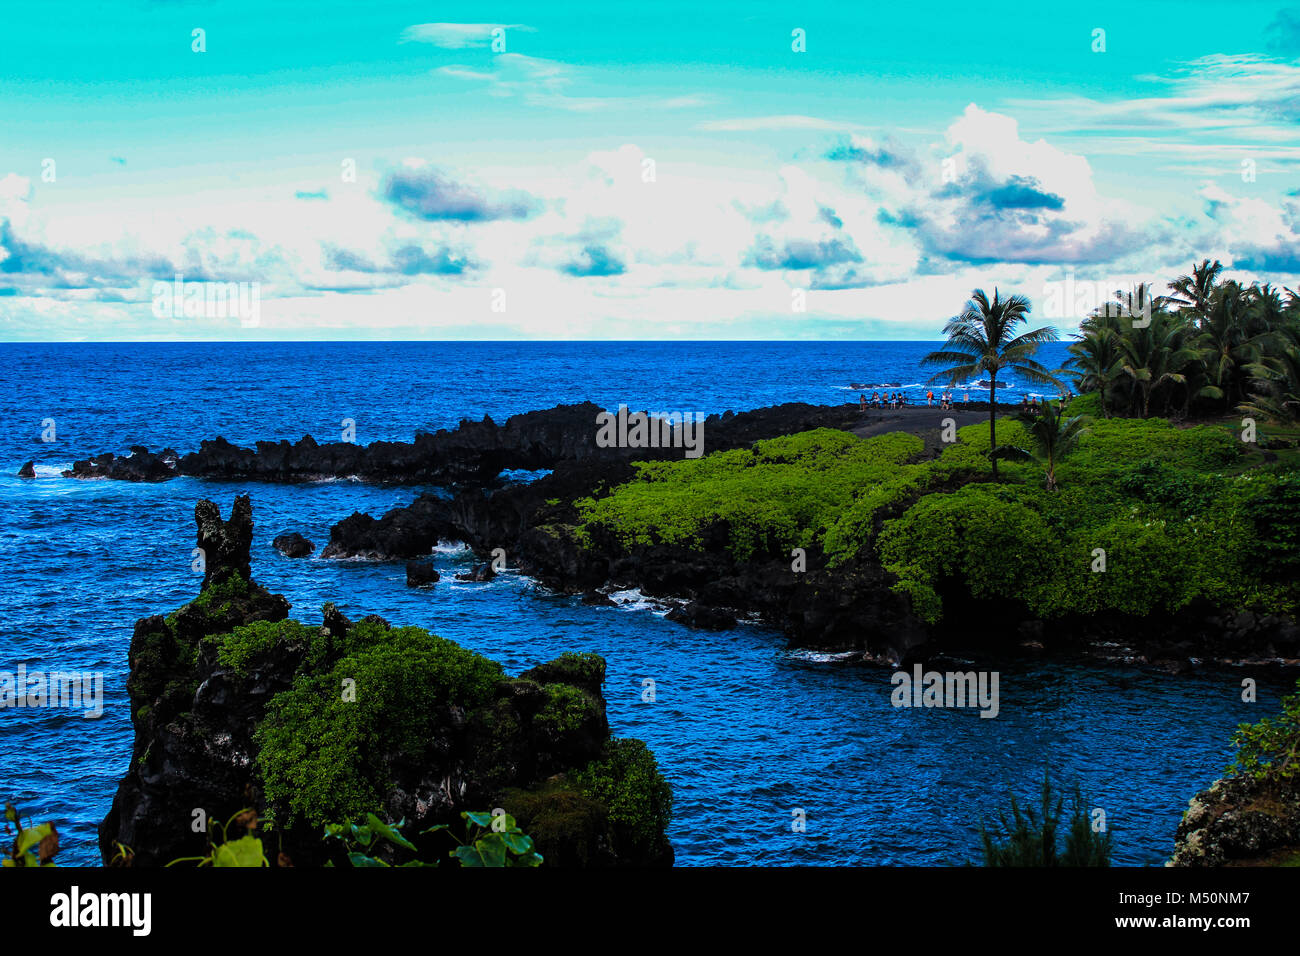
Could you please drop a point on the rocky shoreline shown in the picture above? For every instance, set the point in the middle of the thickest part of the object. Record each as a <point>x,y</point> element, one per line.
<point>851,608</point>
<point>207,680</point>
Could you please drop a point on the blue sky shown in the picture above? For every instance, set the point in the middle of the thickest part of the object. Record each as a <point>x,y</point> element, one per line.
<point>621,171</point>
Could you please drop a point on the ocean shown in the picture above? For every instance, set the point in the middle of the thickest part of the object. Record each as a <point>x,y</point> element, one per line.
<point>747,730</point>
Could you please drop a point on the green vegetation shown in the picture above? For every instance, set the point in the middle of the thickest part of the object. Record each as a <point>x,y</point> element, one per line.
<point>377,693</point>
<point>1209,348</point>
<point>628,782</point>
<point>1270,749</point>
<point>982,340</point>
<point>567,709</point>
<point>246,851</point>
<point>491,840</point>
<point>1196,503</point>
<point>1053,437</point>
<point>32,845</point>
<point>783,493</point>
<point>238,648</point>
<point>1029,836</point>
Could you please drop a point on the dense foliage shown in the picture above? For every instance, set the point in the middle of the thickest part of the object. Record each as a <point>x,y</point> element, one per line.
<point>1209,347</point>
<point>380,691</point>
<point>1270,749</point>
<point>783,493</point>
<point>1180,513</point>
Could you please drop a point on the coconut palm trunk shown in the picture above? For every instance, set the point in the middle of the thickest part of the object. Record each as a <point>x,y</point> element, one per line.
<point>993,420</point>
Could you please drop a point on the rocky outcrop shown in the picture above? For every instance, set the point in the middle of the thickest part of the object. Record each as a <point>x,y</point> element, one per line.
<point>140,465</point>
<point>479,573</point>
<point>235,706</point>
<point>293,545</point>
<point>28,470</point>
<point>225,544</point>
<point>421,573</point>
<point>1241,821</point>
<point>701,617</point>
<point>472,453</point>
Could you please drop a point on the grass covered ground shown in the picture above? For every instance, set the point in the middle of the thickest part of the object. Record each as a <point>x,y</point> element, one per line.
<point>1180,513</point>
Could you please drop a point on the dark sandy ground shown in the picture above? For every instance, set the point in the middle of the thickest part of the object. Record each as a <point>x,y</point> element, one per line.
<point>924,422</point>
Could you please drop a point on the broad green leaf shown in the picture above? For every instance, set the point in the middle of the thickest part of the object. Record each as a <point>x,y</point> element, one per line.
<point>384,830</point>
<point>33,835</point>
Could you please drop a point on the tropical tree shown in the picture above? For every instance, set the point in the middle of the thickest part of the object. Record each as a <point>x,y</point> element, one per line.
<point>1193,292</point>
<point>1052,437</point>
<point>1156,355</point>
<point>1275,380</point>
<point>1232,336</point>
<point>982,338</point>
<point>1095,362</point>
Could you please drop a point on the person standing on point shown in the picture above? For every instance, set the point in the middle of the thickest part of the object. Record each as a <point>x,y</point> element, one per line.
<point>929,397</point>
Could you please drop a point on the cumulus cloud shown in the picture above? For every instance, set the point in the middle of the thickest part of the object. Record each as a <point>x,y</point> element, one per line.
<point>430,194</point>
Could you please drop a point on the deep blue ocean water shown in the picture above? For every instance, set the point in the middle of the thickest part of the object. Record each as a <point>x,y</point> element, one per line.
<point>745,729</point>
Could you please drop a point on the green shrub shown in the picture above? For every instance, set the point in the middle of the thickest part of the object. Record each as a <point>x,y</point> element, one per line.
<point>628,782</point>
<point>1270,749</point>
<point>1029,836</point>
<point>322,754</point>
<point>237,648</point>
<point>781,494</point>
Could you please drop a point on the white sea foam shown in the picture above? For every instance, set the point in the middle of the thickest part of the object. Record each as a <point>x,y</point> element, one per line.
<point>821,657</point>
<point>450,547</point>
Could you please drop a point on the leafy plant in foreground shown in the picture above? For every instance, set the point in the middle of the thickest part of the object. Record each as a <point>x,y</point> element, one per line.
<point>32,846</point>
<point>244,852</point>
<point>490,841</point>
<point>1029,836</point>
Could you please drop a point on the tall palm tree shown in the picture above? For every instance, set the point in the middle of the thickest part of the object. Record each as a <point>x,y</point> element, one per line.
<point>982,339</point>
<point>1231,337</point>
<point>1053,438</point>
<point>1193,292</point>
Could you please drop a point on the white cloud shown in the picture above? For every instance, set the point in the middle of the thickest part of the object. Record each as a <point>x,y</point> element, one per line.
<point>458,36</point>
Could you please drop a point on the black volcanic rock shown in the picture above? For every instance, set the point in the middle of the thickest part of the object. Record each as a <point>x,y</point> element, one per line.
<point>225,544</point>
<point>293,545</point>
<point>420,573</point>
<point>1241,820</point>
<point>698,616</point>
<point>201,691</point>
<point>480,572</point>
<point>472,453</point>
<point>28,470</point>
<point>140,465</point>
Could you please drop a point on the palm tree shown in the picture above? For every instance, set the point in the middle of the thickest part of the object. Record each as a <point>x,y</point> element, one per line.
<point>1156,356</point>
<point>1276,380</point>
<point>1193,292</point>
<point>982,339</point>
<point>1231,337</point>
<point>1095,362</point>
<point>1053,438</point>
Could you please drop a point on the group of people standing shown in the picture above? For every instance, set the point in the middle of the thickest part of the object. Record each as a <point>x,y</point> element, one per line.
<point>899,399</point>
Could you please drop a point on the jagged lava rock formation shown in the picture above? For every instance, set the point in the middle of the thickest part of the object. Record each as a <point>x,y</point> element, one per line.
<point>235,705</point>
